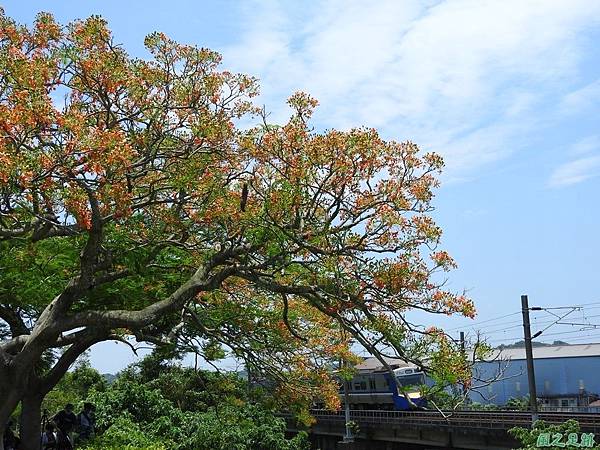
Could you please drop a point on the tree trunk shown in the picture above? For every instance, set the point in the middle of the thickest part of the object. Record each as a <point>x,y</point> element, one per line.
<point>15,383</point>
<point>31,419</point>
<point>9,399</point>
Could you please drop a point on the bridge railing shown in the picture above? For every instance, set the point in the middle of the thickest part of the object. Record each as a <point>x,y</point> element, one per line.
<point>455,419</point>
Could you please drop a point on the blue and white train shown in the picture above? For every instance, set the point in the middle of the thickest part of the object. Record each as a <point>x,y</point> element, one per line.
<point>372,387</point>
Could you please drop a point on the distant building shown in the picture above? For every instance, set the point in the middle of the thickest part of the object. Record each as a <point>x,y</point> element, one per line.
<point>566,376</point>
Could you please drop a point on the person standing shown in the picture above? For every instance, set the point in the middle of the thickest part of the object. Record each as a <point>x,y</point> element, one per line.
<point>49,439</point>
<point>85,422</point>
<point>65,421</point>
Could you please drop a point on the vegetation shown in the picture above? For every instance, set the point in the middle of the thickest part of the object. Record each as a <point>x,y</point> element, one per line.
<point>453,399</point>
<point>521,344</point>
<point>542,435</point>
<point>180,409</point>
<point>135,209</point>
<point>518,403</point>
<point>74,387</point>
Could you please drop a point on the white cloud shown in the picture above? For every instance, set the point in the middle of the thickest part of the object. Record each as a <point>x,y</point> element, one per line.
<point>461,77</point>
<point>582,167</point>
<point>575,171</point>
<point>582,99</point>
<point>586,145</point>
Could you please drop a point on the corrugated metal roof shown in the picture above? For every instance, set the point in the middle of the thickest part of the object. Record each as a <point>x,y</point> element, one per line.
<point>553,351</point>
<point>372,363</point>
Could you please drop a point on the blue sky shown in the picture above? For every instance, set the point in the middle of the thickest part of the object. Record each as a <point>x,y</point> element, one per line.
<point>507,91</point>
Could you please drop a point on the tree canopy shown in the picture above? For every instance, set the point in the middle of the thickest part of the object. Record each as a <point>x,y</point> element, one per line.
<point>133,204</point>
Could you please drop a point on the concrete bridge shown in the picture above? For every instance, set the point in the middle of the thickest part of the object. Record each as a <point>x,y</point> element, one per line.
<point>391,430</point>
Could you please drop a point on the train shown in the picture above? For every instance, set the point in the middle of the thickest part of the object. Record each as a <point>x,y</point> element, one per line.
<point>372,386</point>
<point>566,379</point>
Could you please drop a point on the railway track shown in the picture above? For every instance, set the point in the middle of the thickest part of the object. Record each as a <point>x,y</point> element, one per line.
<point>458,419</point>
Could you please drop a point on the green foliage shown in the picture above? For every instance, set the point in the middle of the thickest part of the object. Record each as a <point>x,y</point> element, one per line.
<point>484,407</point>
<point>442,399</point>
<point>139,402</point>
<point>521,344</point>
<point>196,391</point>
<point>187,388</point>
<point>529,438</point>
<point>124,433</point>
<point>33,273</point>
<point>245,427</point>
<point>519,404</point>
<point>74,387</point>
<point>184,409</point>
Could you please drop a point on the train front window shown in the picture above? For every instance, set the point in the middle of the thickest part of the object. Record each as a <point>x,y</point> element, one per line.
<point>411,380</point>
<point>360,386</point>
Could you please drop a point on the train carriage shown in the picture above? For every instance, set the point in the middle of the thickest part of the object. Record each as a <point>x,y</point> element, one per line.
<point>372,386</point>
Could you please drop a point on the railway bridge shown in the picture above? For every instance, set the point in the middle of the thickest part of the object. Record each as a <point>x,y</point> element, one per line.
<point>391,430</point>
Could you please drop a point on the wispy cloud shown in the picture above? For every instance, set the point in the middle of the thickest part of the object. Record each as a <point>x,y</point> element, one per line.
<point>582,99</point>
<point>459,77</point>
<point>585,165</point>
<point>586,145</point>
<point>575,171</point>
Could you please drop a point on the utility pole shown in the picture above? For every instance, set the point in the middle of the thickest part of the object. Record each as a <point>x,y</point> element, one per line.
<point>529,354</point>
<point>463,354</point>
<point>348,437</point>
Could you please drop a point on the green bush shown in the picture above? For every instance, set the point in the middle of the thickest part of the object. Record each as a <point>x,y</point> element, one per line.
<point>124,434</point>
<point>240,428</point>
<point>530,438</point>
<point>135,415</point>
<point>74,387</point>
<point>157,406</point>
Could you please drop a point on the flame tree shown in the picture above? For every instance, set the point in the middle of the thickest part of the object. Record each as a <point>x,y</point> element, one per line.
<point>131,205</point>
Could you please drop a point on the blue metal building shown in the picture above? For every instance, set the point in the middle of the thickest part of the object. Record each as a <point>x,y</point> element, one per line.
<point>566,376</point>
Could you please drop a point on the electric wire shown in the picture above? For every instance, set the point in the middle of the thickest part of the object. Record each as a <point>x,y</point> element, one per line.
<point>484,321</point>
<point>500,328</point>
<point>475,324</point>
<point>534,323</point>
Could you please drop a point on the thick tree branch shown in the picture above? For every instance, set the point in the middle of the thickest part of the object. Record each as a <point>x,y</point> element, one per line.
<point>134,320</point>
<point>14,321</point>
<point>49,380</point>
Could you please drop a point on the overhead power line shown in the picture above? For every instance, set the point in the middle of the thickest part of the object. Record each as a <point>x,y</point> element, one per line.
<point>503,326</point>
<point>483,321</point>
<point>520,338</point>
<point>509,325</point>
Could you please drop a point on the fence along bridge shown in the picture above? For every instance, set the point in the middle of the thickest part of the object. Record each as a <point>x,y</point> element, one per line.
<point>461,429</point>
